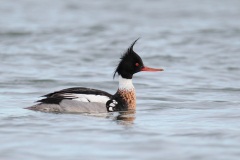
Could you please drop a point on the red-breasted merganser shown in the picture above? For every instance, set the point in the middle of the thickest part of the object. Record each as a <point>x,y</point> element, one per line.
<point>86,100</point>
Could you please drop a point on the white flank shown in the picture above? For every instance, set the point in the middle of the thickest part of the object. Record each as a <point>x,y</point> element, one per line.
<point>125,84</point>
<point>88,97</point>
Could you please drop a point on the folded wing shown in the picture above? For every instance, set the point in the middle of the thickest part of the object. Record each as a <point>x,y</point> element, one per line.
<point>74,100</point>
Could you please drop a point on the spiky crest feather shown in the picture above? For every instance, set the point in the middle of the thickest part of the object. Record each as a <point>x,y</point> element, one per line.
<point>129,51</point>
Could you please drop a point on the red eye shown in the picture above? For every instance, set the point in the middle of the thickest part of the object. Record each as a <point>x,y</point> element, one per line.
<point>137,64</point>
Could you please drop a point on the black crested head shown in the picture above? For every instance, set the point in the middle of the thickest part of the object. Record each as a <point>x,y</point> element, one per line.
<point>130,63</point>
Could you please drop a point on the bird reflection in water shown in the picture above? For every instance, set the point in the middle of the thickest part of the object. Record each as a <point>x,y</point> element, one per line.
<point>122,118</point>
<point>126,117</point>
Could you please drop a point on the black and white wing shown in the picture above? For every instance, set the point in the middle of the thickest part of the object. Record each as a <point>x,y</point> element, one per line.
<point>74,100</point>
<point>79,94</point>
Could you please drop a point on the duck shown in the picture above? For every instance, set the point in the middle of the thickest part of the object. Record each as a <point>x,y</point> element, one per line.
<point>88,100</point>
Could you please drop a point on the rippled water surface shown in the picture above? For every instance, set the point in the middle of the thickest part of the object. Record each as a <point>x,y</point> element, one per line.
<point>189,111</point>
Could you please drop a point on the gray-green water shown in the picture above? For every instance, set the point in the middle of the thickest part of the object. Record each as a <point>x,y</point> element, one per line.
<point>189,111</point>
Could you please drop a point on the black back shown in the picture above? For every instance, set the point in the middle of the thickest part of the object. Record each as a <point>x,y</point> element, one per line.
<point>58,96</point>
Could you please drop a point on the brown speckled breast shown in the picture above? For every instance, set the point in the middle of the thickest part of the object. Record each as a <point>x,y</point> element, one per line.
<point>129,97</point>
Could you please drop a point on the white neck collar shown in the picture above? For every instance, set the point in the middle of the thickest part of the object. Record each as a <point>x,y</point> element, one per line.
<point>125,84</point>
